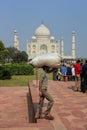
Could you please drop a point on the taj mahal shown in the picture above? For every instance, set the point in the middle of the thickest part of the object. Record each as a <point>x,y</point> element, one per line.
<point>41,42</point>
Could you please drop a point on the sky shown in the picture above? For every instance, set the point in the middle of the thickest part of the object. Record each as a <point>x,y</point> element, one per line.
<point>60,16</point>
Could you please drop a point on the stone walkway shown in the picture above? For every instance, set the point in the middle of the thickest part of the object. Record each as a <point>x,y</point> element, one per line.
<point>69,110</point>
<point>70,106</point>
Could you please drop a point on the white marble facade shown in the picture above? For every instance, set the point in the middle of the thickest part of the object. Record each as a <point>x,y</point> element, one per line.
<point>42,43</point>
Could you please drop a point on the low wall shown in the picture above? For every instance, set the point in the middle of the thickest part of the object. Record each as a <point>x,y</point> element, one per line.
<point>31,111</point>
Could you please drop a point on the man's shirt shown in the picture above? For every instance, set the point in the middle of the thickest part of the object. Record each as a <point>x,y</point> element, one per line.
<point>44,80</point>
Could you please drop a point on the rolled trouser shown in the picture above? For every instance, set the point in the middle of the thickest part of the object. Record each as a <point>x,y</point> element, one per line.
<point>50,99</point>
<point>46,95</point>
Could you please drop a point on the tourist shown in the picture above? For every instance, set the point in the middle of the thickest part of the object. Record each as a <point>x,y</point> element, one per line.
<point>77,76</point>
<point>43,84</point>
<point>63,71</point>
<point>69,72</point>
<point>84,77</point>
<point>73,72</point>
<point>81,77</point>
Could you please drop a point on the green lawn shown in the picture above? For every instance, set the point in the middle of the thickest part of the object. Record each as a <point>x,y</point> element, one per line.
<point>21,80</point>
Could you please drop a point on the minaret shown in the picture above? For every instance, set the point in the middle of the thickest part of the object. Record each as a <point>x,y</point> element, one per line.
<point>73,45</point>
<point>16,41</point>
<point>62,47</point>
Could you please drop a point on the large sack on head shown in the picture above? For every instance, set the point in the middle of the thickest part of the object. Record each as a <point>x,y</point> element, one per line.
<point>48,59</point>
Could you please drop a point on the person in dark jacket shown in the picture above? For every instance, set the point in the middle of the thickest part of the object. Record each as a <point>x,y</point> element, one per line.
<point>69,72</point>
<point>84,77</point>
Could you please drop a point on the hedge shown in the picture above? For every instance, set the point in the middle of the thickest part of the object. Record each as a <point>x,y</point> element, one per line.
<point>15,69</point>
<point>5,73</point>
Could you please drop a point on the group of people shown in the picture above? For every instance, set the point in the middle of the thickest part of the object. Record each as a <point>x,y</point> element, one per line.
<point>75,72</point>
<point>66,72</point>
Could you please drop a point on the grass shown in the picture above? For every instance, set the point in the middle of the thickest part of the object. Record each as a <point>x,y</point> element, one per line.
<point>21,80</point>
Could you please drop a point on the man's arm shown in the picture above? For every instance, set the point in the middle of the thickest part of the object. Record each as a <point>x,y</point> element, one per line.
<point>40,88</point>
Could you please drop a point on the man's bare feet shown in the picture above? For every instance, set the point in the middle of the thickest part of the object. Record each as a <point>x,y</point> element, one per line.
<point>38,117</point>
<point>49,117</point>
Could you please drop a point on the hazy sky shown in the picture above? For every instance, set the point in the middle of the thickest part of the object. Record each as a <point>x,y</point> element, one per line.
<point>60,16</point>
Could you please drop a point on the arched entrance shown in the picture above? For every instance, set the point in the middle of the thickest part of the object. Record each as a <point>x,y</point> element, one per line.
<point>43,49</point>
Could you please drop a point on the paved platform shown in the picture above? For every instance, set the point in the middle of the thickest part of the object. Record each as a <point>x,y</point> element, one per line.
<point>69,110</point>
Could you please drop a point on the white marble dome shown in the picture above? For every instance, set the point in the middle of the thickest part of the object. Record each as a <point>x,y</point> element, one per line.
<point>52,38</point>
<point>33,37</point>
<point>42,30</point>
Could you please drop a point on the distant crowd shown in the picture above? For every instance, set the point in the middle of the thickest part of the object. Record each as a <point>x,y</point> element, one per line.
<point>74,72</point>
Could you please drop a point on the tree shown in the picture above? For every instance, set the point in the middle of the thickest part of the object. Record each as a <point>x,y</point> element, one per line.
<point>12,51</point>
<point>3,53</point>
<point>16,55</point>
<point>1,46</point>
<point>24,56</point>
<point>20,57</point>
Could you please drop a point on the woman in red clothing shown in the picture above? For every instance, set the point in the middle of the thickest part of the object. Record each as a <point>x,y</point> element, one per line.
<point>77,75</point>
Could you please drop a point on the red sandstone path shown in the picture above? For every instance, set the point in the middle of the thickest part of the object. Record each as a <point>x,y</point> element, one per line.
<point>69,110</point>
